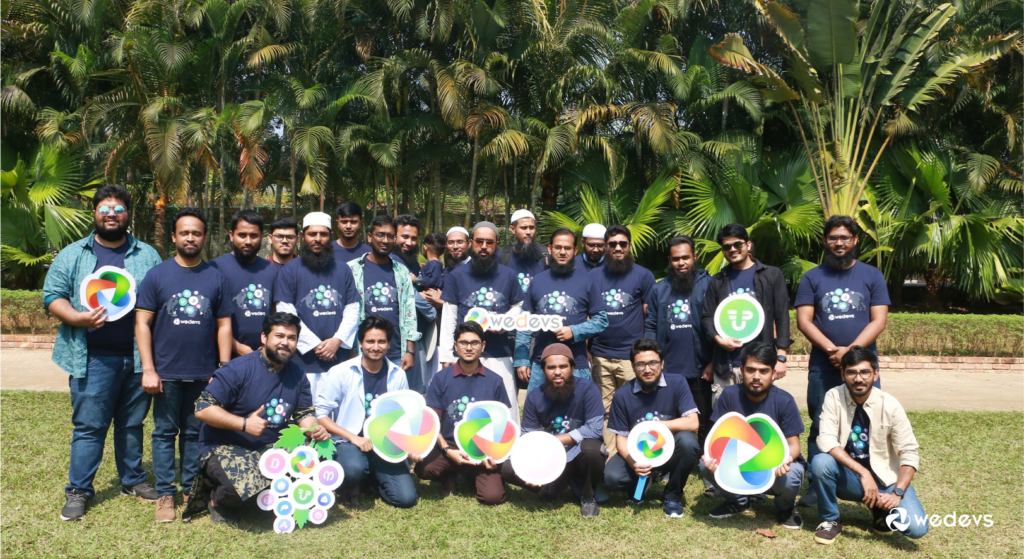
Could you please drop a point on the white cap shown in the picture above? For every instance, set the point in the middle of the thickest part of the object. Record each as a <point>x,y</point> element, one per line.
<point>594,231</point>
<point>457,230</point>
<point>316,218</point>
<point>519,214</point>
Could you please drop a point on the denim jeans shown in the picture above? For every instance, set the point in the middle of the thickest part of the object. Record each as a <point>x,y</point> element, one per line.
<point>110,391</point>
<point>785,487</point>
<point>394,481</point>
<point>537,376</point>
<point>818,383</point>
<point>834,482</point>
<point>174,413</point>
<point>618,476</point>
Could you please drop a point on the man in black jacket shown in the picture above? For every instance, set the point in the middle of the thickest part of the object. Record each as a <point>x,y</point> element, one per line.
<point>744,275</point>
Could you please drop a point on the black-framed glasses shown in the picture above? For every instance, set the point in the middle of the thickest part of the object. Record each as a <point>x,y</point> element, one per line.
<point>384,236</point>
<point>647,365</point>
<point>283,238</point>
<point>618,244</point>
<point>118,210</point>
<point>855,373</point>
<point>838,239</point>
<point>467,344</point>
<point>736,245</point>
<point>594,246</point>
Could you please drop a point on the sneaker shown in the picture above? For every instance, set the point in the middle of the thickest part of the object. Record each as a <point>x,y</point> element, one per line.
<point>826,532</point>
<point>550,493</point>
<point>760,498</point>
<point>710,492</point>
<point>589,509</point>
<point>222,515</point>
<point>728,508</point>
<point>878,524</point>
<point>144,491</point>
<point>165,509</point>
<point>810,499</point>
<point>673,509</point>
<point>447,486</point>
<point>74,505</point>
<point>791,519</point>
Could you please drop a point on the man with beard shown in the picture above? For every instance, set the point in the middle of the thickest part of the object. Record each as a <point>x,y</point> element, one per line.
<point>624,290</point>
<point>526,257</point>
<point>236,428</point>
<point>184,332</point>
<point>407,250</point>
<point>484,284</point>
<point>406,246</point>
<point>385,290</point>
<point>456,253</point>
<point>567,291</point>
<point>841,303</point>
<point>101,355</point>
<point>593,247</point>
<point>653,396</point>
<point>250,281</point>
<point>758,395</point>
<point>350,222</point>
<point>320,290</point>
<point>673,319</point>
<point>569,408</point>
<point>745,275</point>
<point>284,233</point>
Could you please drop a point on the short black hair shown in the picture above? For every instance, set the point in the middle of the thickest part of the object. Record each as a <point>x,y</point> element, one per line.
<point>406,219</point>
<point>281,319</point>
<point>856,354</point>
<point>249,216</point>
<point>436,242</point>
<point>349,209</point>
<point>646,344</point>
<point>618,230</point>
<point>374,322</point>
<point>841,221</point>
<point>112,191</point>
<point>471,327</point>
<point>733,230</point>
<point>761,352</point>
<point>380,221</point>
<point>188,212</point>
<point>285,223</point>
<point>681,240</point>
<point>562,231</point>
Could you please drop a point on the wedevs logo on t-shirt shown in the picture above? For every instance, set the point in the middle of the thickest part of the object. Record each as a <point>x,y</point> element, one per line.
<point>562,425</point>
<point>187,307</point>
<point>841,301</point>
<point>323,300</point>
<point>557,302</point>
<point>381,297</point>
<point>617,300</point>
<point>458,407</point>
<point>276,412</point>
<point>679,314</point>
<point>650,416</point>
<point>253,299</point>
<point>485,297</point>
<point>524,281</point>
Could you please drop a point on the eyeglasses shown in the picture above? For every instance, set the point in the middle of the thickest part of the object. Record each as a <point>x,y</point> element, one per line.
<point>647,365</point>
<point>485,242</point>
<point>594,246</point>
<point>467,344</point>
<point>618,244</point>
<point>384,236</point>
<point>854,373</point>
<point>838,239</point>
<point>283,238</point>
<point>105,210</point>
<point>728,247</point>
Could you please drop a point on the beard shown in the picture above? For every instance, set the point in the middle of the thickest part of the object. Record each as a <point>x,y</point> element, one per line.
<point>407,258</point>
<point>562,269</point>
<point>481,266</point>
<point>111,235</point>
<point>246,257</point>
<point>648,386</point>
<point>560,393</point>
<point>841,262</point>
<point>527,252</point>
<point>190,252</point>
<point>276,358</point>
<point>317,261</point>
<point>682,283</point>
<point>451,262</point>
<point>619,266</point>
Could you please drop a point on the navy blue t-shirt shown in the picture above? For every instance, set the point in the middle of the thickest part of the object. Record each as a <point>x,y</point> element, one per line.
<point>432,275</point>
<point>842,302</point>
<point>187,303</point>
<point>679,346</point>
<point>559,418</point>
<point>584,263</point>
<point>116,337</point>
<point>624,297</point>
<point>858,444</point>
<point>252,291</point>
<point>496,292</point>
<point>665,403</point>
<point>571,296</point>
<point>778,405</point>
<point>344,255</point>
<point>380,297</point>
<point>374,385</point>
<point>320,298</point>
<point>451,393</point>
<point>525,270</point>
<point>245,384</point>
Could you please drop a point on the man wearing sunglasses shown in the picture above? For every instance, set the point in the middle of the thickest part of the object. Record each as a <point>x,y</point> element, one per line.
<point>284,234</point>
<point>841,303</point>
<point>101,357</point>
<point>593,247</point>
<point>747,276</point>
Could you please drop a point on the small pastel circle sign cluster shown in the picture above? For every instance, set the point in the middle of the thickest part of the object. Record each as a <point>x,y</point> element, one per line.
<point>748,449</point>
<point>301,487</point>
<point>651,442</point>
<point>486,431</point>
<point>400,424</point>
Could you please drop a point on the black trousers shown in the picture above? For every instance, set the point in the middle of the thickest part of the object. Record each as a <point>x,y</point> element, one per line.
<point>701,390</point>
<point>587,468</point>
<point>224,494</point>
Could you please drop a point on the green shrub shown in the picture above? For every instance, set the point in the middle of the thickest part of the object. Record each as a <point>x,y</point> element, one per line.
<point>21,312</point>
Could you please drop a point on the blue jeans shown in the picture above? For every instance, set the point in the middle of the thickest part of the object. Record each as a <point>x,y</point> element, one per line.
<point>537,376</point>
<point>394,481</point>
<point>110,391</point>
<point>174,413</point>
<point>818,383</point>
<point>834,482</point>
<point>785,488</point>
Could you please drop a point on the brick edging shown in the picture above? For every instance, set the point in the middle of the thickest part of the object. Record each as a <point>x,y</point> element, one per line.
<point>26,341</point>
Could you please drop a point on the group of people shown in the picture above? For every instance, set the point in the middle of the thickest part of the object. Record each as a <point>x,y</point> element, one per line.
<point>228,352</point>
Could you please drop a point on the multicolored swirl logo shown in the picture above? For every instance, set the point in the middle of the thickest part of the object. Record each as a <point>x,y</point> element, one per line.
<point>400,424</point>
<point>486,431</point>
<point>748,450</point>
<point>303,460</point>
<point>110,287</point>
<point>651,444</point>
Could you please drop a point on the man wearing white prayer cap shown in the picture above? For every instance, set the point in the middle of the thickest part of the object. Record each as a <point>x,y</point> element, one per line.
<point>526,257</point>
<point>456,253</point>
<point>593,247</point>
<point>320,290</point>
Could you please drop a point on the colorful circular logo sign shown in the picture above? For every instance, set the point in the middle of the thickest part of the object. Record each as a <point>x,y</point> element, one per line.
<point>538,458</point>
<point>748,449</point>
<point>110,287</point>
<point>266,500</point>
<point>302,461</point>
<point>739,316</point>
<point>486,431</point>
<point>273,463</point>
<point>651,442</point>
<point>400,424</point>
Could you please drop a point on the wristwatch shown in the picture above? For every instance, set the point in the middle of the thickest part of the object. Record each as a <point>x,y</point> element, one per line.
<point>898,492</point>
<point>781,358</point>
<point>221,364</point>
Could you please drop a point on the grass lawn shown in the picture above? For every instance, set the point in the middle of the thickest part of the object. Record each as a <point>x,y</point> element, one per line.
<point>972,463</point>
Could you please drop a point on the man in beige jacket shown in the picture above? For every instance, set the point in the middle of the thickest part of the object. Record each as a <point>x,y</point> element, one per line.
<point>868,454</point>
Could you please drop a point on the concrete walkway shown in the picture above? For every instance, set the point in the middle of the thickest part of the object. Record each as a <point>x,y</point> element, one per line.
<point>925,389</point>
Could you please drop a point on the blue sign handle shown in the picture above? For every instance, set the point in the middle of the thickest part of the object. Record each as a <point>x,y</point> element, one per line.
<point>641,483</point>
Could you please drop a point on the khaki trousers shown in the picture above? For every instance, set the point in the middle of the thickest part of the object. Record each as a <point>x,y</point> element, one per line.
<point>610,374</point>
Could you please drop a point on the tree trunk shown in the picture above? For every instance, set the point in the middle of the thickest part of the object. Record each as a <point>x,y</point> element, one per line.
<point>246,198</point>
<point>160,220</point>
<point>725,112</point>
<point>205,210</point>
<point>295,193</point>
<point>222,219</point>
<point>932,282</point>
<point>472,205</point>
<point>438,197</point>
<point>549,187</point>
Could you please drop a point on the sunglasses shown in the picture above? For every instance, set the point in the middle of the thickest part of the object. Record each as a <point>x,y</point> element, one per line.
<point>618,244</point>
<point>105,210</point>
<point>728,247</point>
<point>485,242</point>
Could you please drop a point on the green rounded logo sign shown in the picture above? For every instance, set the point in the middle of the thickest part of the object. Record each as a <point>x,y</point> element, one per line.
<point>739,316</point>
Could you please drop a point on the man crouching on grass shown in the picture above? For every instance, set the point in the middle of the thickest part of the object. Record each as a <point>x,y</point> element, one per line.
<point>236,430</point>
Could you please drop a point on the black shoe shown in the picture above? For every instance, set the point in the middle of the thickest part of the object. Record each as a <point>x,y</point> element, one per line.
<point>550,493</point>
<point>143,491</point>
<point>74,505</point>
<point>878,524</point>
<point>827,532</point>
<point>727,509</point>
<point>447,486</point>
<point>791,519</point>
<point>589,509</point>
<point>222,515</point>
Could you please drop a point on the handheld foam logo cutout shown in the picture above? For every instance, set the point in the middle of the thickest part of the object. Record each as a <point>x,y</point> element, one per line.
<point>400,424</point>
<point>509,322</point>
<point>739,316</point>
<point>748,450</point>
<point>649,442</point>
<point>538,458</point>
<point>110,287</point>
<point>486,431</point>
<point>301,486</point>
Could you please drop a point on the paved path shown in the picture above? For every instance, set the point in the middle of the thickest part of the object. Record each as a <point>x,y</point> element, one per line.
<point>32,369</point>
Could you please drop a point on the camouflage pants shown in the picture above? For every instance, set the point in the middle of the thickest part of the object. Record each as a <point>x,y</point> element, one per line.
<point>242,468</point>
